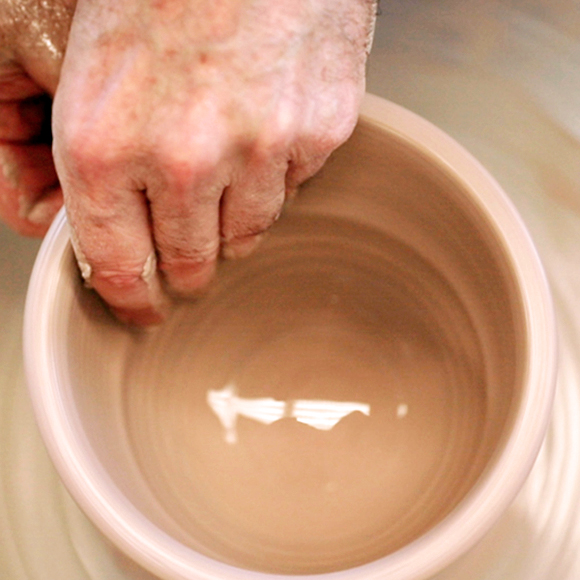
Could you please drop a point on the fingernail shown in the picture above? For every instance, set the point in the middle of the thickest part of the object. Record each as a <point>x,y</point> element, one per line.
<point>241,247</point>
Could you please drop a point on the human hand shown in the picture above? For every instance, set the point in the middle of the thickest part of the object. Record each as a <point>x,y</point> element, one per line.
<point>181,125</point>
<point>33,35</point>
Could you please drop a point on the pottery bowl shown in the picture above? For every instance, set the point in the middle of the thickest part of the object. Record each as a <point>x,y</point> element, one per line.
<point>361,398</point>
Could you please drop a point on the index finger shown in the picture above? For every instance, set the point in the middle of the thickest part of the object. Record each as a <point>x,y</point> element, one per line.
<point>112,242</point>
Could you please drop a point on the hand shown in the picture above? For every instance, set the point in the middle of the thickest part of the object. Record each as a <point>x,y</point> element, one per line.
<point>33,35</point>
<point>181,125</point>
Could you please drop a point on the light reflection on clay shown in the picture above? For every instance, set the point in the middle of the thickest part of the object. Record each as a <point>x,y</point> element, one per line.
<point>320,414</point>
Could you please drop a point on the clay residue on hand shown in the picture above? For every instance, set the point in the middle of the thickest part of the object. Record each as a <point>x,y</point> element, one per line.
<point>85,268</point>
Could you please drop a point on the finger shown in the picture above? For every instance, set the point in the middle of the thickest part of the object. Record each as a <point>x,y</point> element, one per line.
<point>113,245</point>
<point>185,216</point>
<point>15,84</point>
<point>300,170</point>
<point>323,130</point>
<point>250,206</point>
<point>30,194</point>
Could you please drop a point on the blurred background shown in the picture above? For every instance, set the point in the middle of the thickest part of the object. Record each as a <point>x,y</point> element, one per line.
<point>503,78</point>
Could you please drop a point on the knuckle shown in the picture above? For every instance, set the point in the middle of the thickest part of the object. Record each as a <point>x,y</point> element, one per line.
<point>315,146</point>
<point>183,169</point>
<point>123,281</point>
<point>191,154</point>
<point>246,224</point>
<point>120,288</point>
<point>277,132</point>
<point>81,150</point>
<point>326,141</point>
<point>273,143</point>
<point>174,258</point>
<point>89,144</point>
<point>189,272</point>
<point>114,268</point>
<point>332,129</point>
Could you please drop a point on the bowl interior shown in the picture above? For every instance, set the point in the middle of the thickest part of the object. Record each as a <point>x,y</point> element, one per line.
<point>332,397</point>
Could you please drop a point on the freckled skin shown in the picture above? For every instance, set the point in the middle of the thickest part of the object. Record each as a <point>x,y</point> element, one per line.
<point>180,126</point>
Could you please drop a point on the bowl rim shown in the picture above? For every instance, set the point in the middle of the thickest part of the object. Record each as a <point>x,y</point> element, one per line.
<point>165,557</point>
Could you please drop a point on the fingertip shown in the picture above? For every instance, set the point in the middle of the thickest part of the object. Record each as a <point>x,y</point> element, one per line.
<point>241,247</point>
<point>30,194</point>
<point>189,279</point>
<point>291,192</point>
<point>141,318</point>
<point>30,219</point>
<point>135,300</point>
<point>146,315</point>
<point>43,211</point>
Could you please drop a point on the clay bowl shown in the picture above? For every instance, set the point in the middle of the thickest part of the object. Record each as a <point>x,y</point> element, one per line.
<point>361,398</point>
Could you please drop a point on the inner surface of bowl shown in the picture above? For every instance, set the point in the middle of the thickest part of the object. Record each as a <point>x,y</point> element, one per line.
<point>331,398</point>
